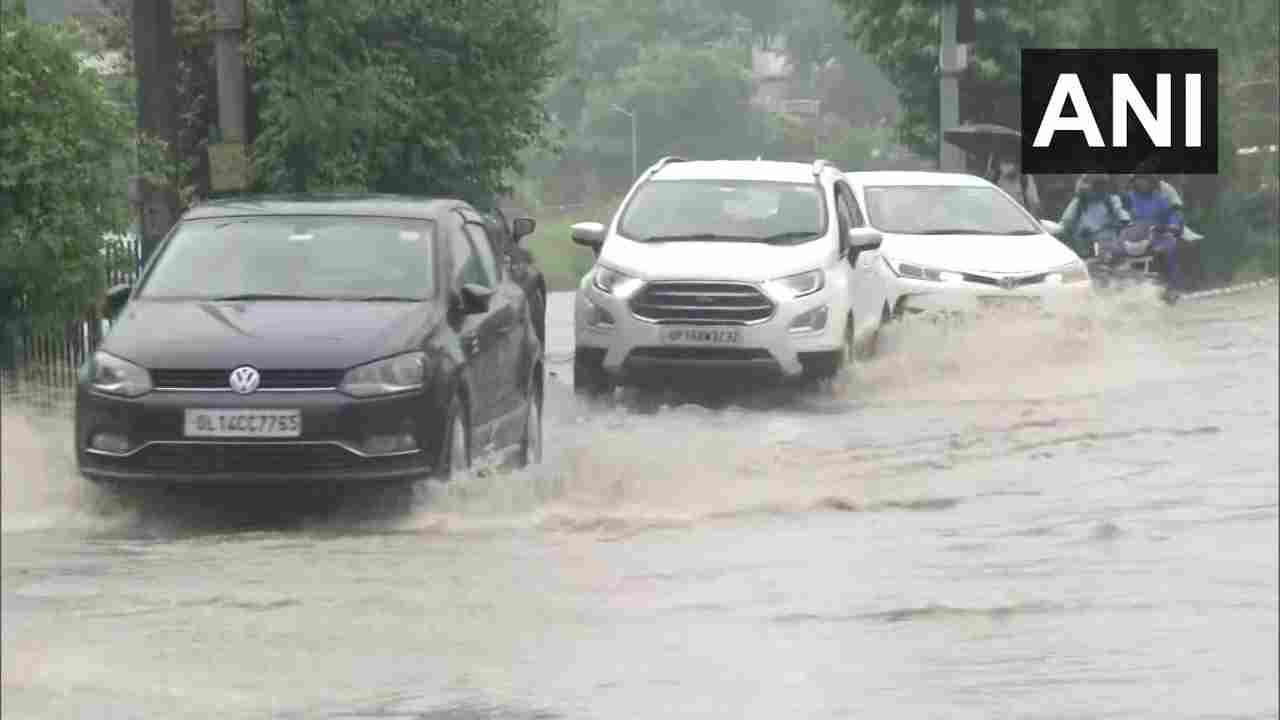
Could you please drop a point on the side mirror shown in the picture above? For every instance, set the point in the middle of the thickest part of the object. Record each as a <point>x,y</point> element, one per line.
<point>117,297</point>
<point>522,227</point>
<point>474,299</point>
<point>589,235</point>
<point>864,238</point>
<point>1051,227</point>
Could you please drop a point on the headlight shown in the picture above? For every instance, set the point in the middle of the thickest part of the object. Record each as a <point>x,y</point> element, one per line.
<point>111,375</point>
<point>612,282</point>
<point>920,272</point>
<point>802,284</point>
<point>385,377</point>
<point>1070,274</point>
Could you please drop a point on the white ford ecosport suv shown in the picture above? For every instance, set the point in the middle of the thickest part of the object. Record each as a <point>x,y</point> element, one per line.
<point>727,265</point>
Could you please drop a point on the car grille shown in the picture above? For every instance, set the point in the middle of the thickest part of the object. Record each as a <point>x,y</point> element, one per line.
<point>1018,282</point>
<point>702,303</point>
<point>701,353</point>
<point>267,459</point>
<point>271,379</point>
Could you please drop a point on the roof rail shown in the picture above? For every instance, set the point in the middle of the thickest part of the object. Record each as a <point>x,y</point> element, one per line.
<point>664,162</point>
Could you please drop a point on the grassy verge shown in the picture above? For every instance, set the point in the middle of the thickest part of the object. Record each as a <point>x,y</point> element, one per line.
<point>563,263</point>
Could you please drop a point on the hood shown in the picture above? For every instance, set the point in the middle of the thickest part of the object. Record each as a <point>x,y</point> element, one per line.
<point>745,261</point>
<point>298,335</point>
<point>980,253</point>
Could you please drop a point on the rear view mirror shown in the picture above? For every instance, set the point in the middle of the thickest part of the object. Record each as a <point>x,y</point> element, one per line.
<point>865,238</point>
<point>522,227</point>
<point>1051,227</point>
<point>589,234</point>
<point>117,297</point>
<point>475,298</point>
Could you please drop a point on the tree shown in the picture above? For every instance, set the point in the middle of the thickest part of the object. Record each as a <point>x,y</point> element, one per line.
<point>405,96</point>
<point>902,37</point>
<point>688,101</point>
<point>64,164</point>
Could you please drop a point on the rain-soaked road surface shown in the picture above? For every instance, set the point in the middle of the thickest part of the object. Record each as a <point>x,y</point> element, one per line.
<point>991,527</point>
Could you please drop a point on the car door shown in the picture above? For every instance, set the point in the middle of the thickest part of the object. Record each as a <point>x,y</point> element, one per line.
<point>478,333</point>
<point>864,283</point>
<point>506,316</point>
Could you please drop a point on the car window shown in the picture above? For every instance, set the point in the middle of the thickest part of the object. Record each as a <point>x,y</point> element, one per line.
<point>745,210</point>
<point>309,257</point>
<point>484,252</point>
<point>946,210</point>
<point>467,268</point>
<point>843,212</point>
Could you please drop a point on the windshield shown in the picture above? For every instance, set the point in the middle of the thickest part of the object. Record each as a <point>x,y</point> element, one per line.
<point>326,258</point>
<point>755,211</point>
<point>945,210</point>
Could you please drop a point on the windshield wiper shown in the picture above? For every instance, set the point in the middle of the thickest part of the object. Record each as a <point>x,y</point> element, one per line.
<point>792,235</point>
<point>693,237</point>
<point>263,296</point>
<point>954,231</point>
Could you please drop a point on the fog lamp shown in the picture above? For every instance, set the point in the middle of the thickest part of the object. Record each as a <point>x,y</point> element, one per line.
<point>388,444</point>
<point>811,321</point>
<point>598,317</point>
<point>110,443</point>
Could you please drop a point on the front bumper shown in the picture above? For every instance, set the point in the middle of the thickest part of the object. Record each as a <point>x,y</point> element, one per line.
<point>337,443</point>
<point>635,349</point>
<point>922,297</point>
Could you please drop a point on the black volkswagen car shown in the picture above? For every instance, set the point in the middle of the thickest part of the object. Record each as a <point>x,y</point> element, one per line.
<point>339,338</point>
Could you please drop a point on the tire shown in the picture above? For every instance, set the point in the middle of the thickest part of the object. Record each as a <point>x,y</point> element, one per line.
<point>531,444</point>
<point>455,456</point>
<point>871,347</point>
<point>539,309</point>
<point>590,381</point>
<point>829,366</point>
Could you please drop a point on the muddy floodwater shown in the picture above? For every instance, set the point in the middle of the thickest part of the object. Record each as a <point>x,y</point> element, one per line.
<point>976,525</point>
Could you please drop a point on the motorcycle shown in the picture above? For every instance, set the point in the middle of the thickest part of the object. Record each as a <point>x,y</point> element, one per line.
<point>1132,258</point>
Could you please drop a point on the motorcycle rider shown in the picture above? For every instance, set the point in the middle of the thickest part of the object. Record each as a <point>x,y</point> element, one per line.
<point>1095,213</point>
<point>1148,204</point>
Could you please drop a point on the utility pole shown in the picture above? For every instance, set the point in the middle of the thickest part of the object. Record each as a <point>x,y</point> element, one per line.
<point>156,62</point>
<point>950,157</point>
<point>228,164</point>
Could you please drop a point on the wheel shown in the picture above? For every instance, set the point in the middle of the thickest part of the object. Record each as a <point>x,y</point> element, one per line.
<point>590,381</point>
<point>531,446</point>
<point>539,309</point>
<point>871,347</point>
<point>830,365</point>
<point>456,460</point>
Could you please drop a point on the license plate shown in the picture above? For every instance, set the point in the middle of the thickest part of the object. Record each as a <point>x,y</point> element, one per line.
<point>243,423</point>
<point>702,336</point>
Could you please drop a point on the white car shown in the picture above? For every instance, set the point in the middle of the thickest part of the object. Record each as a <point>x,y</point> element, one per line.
<point>957,244</point>
<point>726,265</point>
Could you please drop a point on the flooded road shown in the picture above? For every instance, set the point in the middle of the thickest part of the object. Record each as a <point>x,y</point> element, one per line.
<point>985,525</point>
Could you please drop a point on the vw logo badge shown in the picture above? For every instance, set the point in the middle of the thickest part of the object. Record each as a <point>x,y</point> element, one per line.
<point>244,380</point>
<point>1009,283</point>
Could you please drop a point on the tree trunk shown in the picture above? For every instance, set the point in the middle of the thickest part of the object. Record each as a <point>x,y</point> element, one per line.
<point>156,60</point>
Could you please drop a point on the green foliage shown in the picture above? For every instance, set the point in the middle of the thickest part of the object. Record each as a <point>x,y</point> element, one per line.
<point>64,164</point>
<point>1241,237</point>
<point>405,96</point>
<point>859,148</point>
<point>688,101</point>
<point>903,37</point>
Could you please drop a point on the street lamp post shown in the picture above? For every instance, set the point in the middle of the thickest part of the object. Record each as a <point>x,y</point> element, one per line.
<point>632,115</point>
